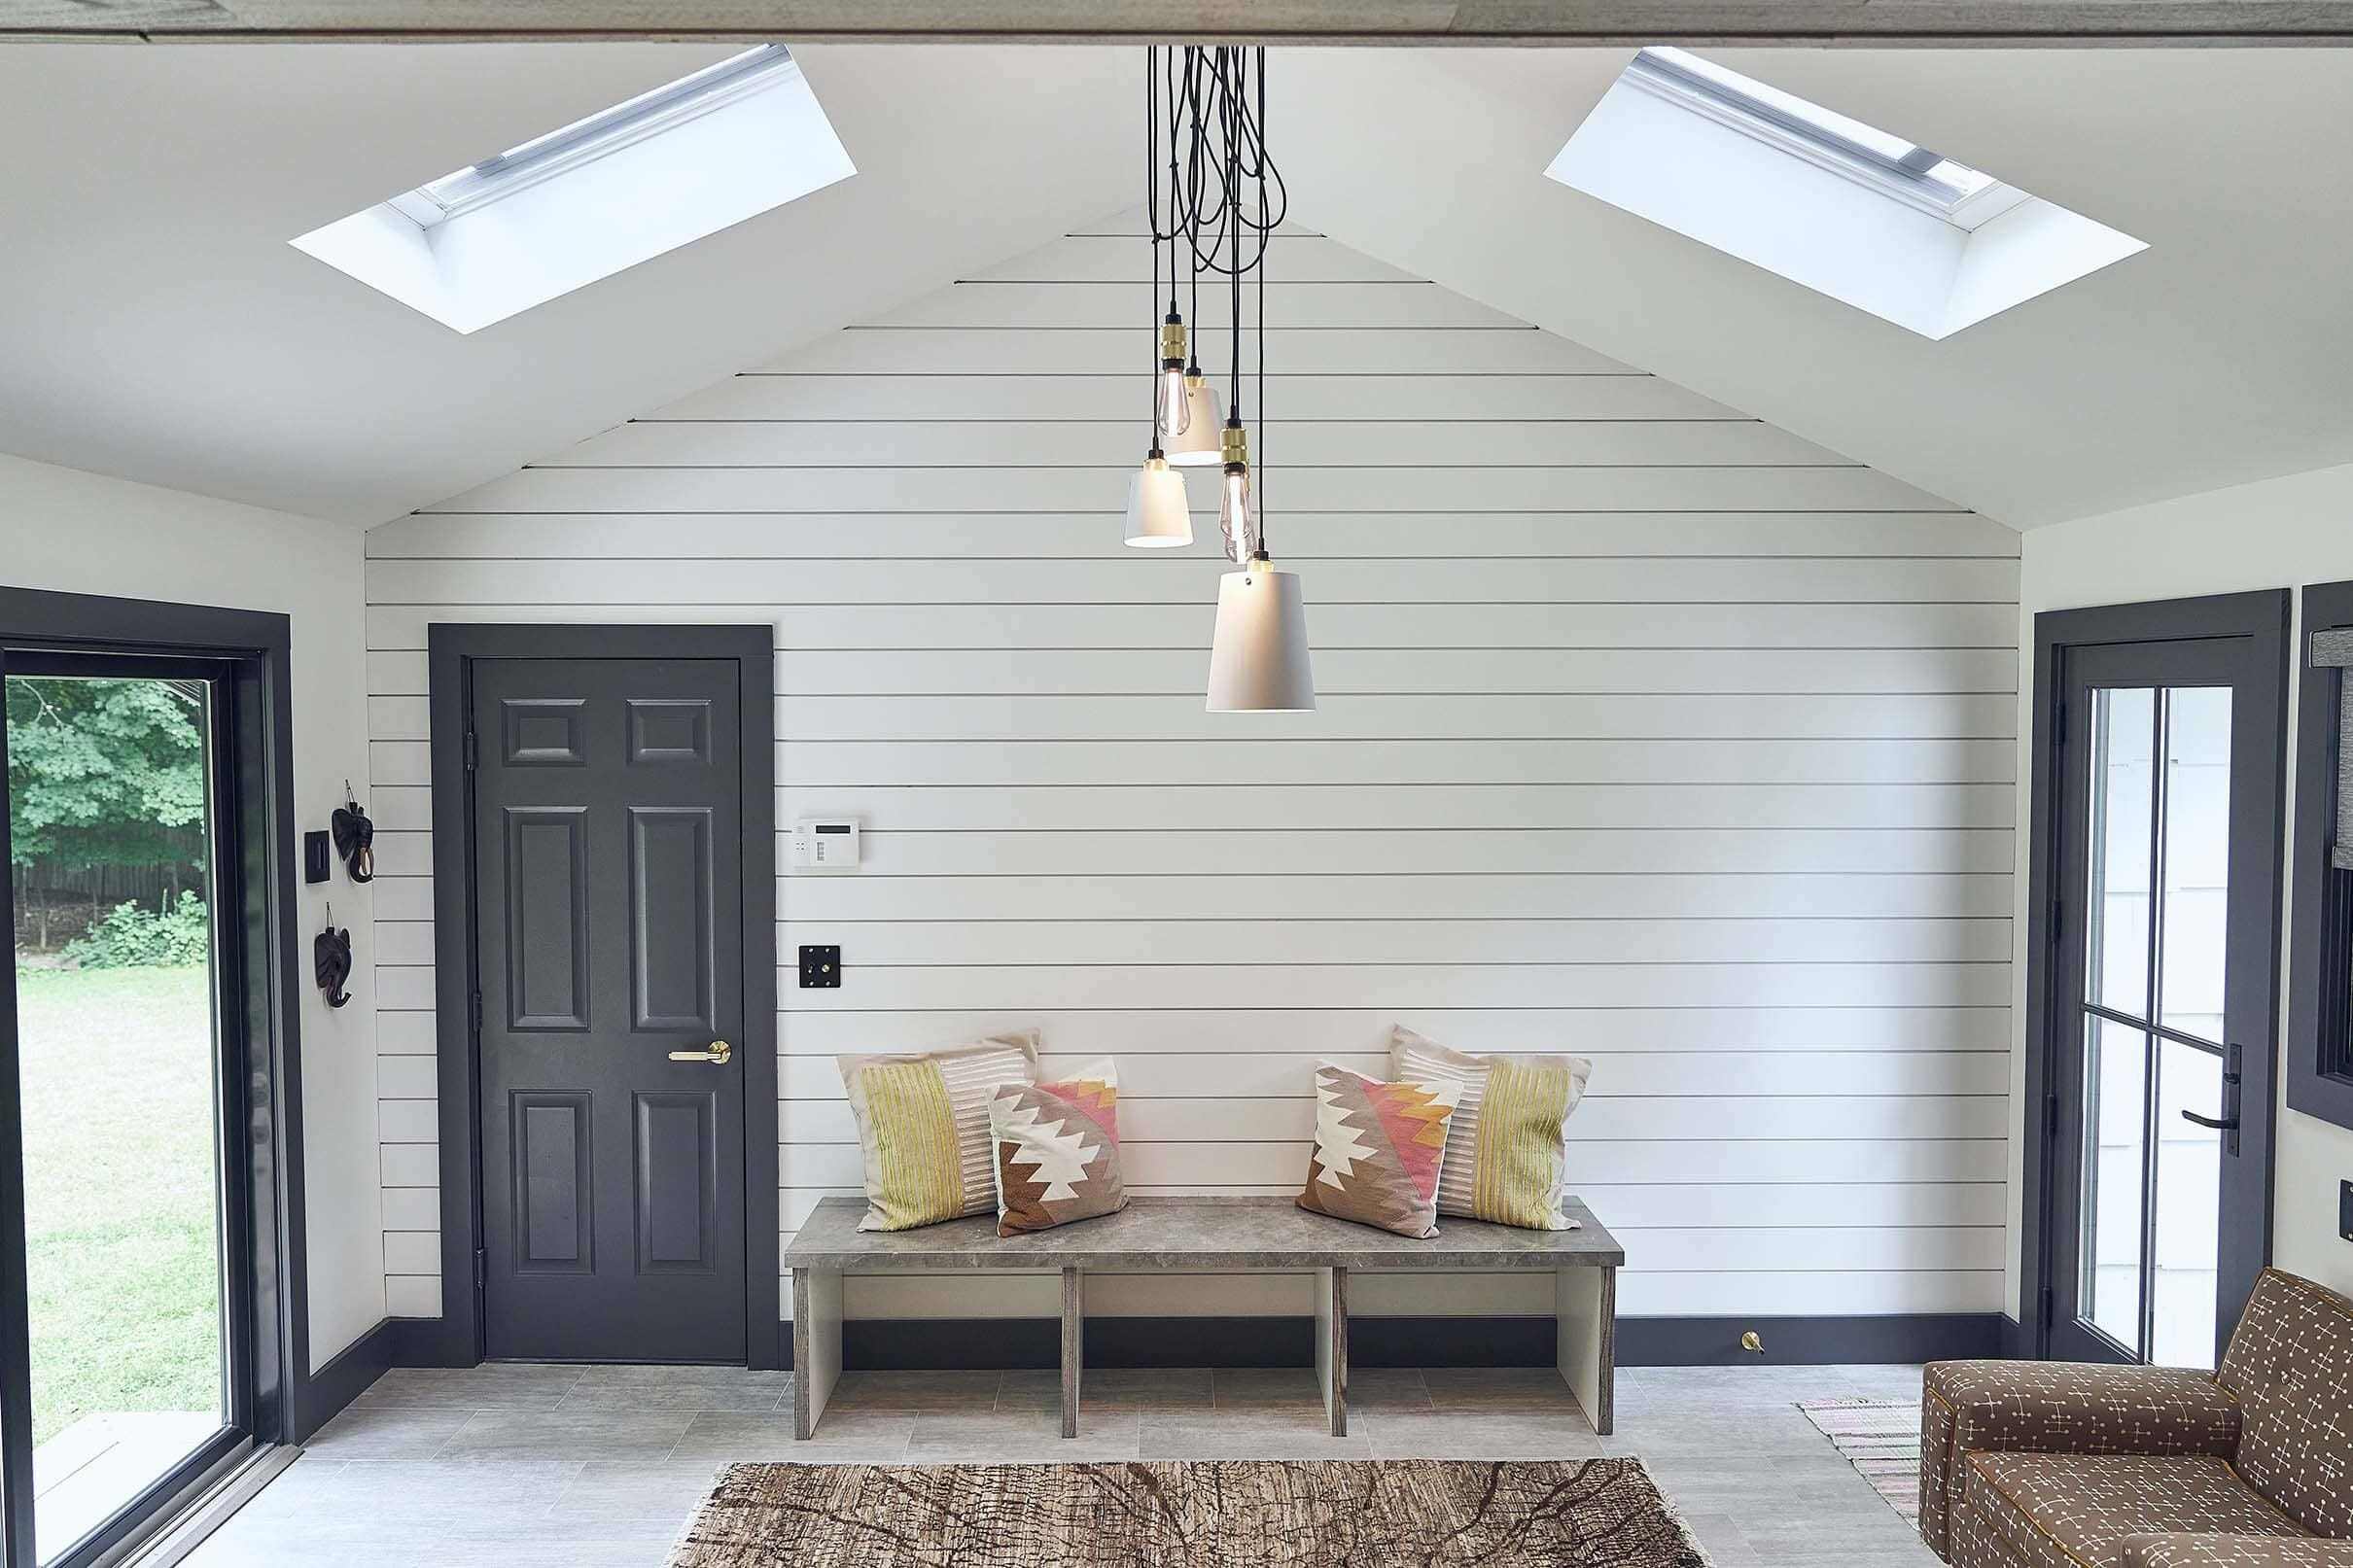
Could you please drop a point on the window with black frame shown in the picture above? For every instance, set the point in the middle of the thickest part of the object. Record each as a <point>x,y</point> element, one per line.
<point>2320,966</point>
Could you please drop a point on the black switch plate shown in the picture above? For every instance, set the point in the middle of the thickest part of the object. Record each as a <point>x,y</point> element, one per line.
<point>318,858</point>
<point>820,968</point>
<point>2344,1209</point>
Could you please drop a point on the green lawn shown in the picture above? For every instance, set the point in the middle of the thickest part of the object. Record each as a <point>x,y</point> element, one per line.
<point>119,1191</point>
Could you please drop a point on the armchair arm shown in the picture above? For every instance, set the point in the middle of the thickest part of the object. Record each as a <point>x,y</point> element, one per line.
<point>2054,1408</point>
<point>2234,1552</point>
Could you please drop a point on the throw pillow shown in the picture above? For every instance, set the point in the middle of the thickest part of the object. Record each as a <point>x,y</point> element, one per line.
<point>923,1125</point>
<point>1507,1152</point>
<point>1378,1150</point>
<point>1057,1150</point>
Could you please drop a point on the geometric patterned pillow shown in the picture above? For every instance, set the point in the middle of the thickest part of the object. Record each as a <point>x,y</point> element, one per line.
<point>923,1126</point>
<point>1507,1152</point>
<point>1057,1150</point>
<point>1378,1150</point>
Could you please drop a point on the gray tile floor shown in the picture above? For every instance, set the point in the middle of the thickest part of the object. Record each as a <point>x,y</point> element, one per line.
<point>599,1467</point>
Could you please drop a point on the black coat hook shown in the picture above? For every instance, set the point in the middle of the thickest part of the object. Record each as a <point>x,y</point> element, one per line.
<point>331,960</point>
<point>355,837</point>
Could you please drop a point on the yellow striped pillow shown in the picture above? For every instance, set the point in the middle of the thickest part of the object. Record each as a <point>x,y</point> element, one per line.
<point>923,1127</point>
<point>1507,1150</point>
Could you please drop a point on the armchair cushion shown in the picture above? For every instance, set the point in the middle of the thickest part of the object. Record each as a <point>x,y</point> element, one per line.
<point>2234,1552</point>
<point>2076,1511</point>
<point>2291,1366</point>
<point>2054,1408</point>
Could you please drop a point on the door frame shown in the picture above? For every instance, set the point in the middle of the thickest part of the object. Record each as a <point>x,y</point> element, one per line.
<point>2263,617</point>
<point>456,1338</point>
<point>273,1393</point>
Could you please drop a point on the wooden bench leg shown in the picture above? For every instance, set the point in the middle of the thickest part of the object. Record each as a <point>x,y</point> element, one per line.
<point>1584,1301</point>
<point>1331,1344</point>
<point>1074,1345</point>
<point>817,1315</point>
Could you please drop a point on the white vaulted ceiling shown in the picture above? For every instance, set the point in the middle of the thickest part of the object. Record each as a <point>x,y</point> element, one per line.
<point>157,325</point>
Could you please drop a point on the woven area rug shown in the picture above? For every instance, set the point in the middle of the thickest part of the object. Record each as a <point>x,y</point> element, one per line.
<point>1881,1439</point>
<point>1373,1514</point>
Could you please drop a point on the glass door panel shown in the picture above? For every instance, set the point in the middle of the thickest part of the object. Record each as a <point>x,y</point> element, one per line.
<point>111,852</point>
<point>2156,875</point>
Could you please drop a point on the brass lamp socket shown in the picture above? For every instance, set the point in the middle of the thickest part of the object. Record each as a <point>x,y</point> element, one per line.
<point>1233,446</point>
<point>1171,342</point>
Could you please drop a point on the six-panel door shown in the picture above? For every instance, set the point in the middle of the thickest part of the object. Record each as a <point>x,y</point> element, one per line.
<point>607,857</point>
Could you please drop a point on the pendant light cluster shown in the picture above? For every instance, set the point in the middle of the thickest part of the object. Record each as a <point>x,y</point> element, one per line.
<point>1220,203</point>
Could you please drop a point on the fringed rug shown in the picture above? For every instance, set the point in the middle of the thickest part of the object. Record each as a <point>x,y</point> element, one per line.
<point>1370,1513</point>
<point>1881,1439</point>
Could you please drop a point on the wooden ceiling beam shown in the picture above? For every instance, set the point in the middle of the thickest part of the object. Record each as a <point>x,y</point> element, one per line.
<point>1556,22</point>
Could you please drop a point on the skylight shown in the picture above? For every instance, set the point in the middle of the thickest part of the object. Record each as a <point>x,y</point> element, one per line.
<point>594,197</point>
<point>1823,199</point>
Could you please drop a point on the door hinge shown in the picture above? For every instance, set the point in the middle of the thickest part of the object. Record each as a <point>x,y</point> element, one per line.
<point>481,1269</point>
<point>475,1009</point>
<point>2047,1307</point>
<point>2059,917</point>
<point>2058,724</point>
<point>473,752</point>
<point>2051,1115</point>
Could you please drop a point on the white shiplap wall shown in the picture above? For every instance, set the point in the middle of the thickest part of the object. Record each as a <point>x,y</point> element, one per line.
<point>1647,731</point>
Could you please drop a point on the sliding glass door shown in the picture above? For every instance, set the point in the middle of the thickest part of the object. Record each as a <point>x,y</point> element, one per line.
<point>123,1153</point>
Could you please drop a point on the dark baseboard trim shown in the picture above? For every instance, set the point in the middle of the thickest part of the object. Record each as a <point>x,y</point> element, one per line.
<point>320,1396</point>
<point>981,1344</point>
<point>433,1341</point>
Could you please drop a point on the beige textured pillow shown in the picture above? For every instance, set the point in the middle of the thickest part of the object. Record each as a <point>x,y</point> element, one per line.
<point>1507,1151</point>
<point>923,1126</point>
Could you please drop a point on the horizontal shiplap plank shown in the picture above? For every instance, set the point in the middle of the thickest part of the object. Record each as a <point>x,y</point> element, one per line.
<point>1130,1035</point>
<point>1318,762</point>
<point>1757,806</point>
<point>1598,1121</point>
<point>1112,258</point>
<point>400,808</point>
<point>1300,306</point>
<point>967,350</point>
<point>1306,535</point>
<point>1443,851</point>
<point>1342,672</point>
<point>1398,986</point>
<point>1115,444</point>
<point>1285,484</point>
<point>1616,1073</point>
<point>1383,717</point>
<point>1643,896</point>
<point>1214,1167</point>
<point>1292,396</point>
<point>1724,624</point>
<point>920,943</point>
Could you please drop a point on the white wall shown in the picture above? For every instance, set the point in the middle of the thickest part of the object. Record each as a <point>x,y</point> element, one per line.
<point>2274,533</point>
<point>1647,731</point>
<point>73,532</point>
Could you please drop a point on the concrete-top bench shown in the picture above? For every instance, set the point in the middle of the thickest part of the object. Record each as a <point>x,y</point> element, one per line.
<point>1172,1234</point>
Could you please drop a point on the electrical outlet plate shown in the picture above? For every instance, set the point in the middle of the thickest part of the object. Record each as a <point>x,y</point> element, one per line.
<point>820,968</point>
<point>318,857</point>
<point>2344,1209</point>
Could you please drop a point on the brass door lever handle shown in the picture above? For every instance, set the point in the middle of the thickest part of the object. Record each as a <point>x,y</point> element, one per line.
<point>716,1055</point>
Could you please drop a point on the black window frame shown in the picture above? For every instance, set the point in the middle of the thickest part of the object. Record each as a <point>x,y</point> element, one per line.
<point>2318,1037</point>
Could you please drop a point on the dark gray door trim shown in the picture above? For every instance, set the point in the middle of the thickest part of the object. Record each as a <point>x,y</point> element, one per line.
<point>2315,887</point>
<point>2262,618</point>
<point>455,1338</point>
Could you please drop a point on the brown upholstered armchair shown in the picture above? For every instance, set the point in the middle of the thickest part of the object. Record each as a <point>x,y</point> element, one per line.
<point>2037,1465</point>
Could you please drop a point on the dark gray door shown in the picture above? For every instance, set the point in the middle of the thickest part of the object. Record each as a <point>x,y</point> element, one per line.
<point>608,868</point>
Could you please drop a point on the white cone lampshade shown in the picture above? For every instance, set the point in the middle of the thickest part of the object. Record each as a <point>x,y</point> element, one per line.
<point>1159,517</point>
<point>1201,442</point>
<point>1259,659</point>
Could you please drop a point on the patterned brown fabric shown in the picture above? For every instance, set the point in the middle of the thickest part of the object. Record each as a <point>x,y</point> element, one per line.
<point>2233,1551</point>
<point>2055,1408</point>
<point>1545,1514</point>
<point>2075,1510</point>
<point>2290,1364</point>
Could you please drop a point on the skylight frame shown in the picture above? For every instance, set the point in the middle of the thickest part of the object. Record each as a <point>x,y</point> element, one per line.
<point>599,135</point>
<point>1890,164</point>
